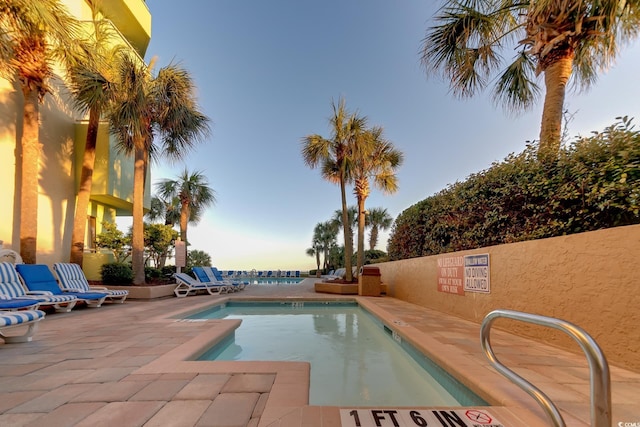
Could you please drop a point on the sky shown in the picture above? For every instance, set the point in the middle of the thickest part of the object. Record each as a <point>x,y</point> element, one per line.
<point>266,74</point>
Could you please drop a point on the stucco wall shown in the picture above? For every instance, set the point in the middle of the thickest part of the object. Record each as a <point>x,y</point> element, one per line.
<point>589,279</point>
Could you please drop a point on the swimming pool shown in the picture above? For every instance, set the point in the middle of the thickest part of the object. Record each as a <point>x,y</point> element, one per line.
<point>355,359</point>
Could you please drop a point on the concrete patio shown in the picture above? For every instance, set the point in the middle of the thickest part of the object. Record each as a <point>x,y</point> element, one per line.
<point>127,365</point>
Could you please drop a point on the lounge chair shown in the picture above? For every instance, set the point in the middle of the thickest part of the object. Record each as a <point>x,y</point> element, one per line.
<point>187,285</point>
<point>38,277</point>
<point>203,277</point>
<point>10,320</point>
<point>72,279</point>
<point>10,285</point>
<point>216,275</point>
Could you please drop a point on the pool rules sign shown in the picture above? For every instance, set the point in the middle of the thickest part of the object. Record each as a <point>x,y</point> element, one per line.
<point>418,418</point>
<point>460,274</point>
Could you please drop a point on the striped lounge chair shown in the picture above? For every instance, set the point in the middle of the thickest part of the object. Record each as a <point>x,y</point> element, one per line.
<point>72,279</point>
<point>11,285</point>
<point>38,277</point>
<point>14,319</point>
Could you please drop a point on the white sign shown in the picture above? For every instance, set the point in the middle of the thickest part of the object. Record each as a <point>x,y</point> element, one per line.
<point>418,417</point>
<point>477,274</point>
<point>181,254</point>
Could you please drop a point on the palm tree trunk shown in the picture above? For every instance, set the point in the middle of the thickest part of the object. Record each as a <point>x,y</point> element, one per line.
<point>184,219</point>
<point>348,239</point>
<point>30,177</point>
<point>84,192</point>
<point>556,76</point>
<point>373,238</point>
<point>137,240</point>
<point>361,215</point>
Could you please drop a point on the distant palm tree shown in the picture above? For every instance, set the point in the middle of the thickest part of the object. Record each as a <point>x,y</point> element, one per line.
<point>148,106</point>
<point>162,210</point>
<point>91,83</point>
<point>33,35</point>
<point>555,37</point>
<point>352,219</point>
<point>331,155</point>
<point>194,193</point>
<point>315,251</point>
<point>377,219</point>
<point>198,258</point>
<point>372,157</point>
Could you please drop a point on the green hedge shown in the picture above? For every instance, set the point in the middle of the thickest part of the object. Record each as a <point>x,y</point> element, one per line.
<point>594,184</point>
<point>117,273</point>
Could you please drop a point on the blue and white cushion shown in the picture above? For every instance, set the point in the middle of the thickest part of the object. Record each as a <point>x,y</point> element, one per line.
<point>13,318</point>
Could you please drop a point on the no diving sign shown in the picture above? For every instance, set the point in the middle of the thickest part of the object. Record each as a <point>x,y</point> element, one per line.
<point>417,418</point>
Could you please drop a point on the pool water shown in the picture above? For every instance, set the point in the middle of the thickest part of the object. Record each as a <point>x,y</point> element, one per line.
<point>355,359</point>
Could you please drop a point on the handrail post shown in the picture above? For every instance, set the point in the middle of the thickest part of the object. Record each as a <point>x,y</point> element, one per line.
<point>600,378</point>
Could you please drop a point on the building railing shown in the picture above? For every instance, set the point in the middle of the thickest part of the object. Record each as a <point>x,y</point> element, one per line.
<point>599,369</point>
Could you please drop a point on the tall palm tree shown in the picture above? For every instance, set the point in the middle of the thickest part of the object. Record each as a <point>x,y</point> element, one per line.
<point>372,158</point>
<point>332,157</point>
<point>146,107</point>
<point>557,38</point>
<point>194,193</point>
<point>91,83</point>
<point>33,35</point>
<point>377,219</point>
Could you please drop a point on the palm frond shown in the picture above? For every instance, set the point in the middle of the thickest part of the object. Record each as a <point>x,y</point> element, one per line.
<point>516,88</point>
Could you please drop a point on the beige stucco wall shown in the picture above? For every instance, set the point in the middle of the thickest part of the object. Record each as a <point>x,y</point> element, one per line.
<point>589,279</point>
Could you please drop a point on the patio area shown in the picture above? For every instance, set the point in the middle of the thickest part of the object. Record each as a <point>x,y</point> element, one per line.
<point>125,365</point>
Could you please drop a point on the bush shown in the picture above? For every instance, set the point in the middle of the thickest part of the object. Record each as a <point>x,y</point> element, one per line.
<point>592,185</point>
<point>117,273</point>
<point>168,271</point>
<point>151,273</point>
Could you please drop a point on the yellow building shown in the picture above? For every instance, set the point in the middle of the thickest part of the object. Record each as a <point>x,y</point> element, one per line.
<point>62,138</point>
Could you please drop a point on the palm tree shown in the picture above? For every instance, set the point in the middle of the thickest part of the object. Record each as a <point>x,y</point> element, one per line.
<point>331,155</point>
<point>328,237</point>
<point>163,210</point>
<point>193,192</point>
<point>557,38</point>
<point>375,158</point>
<point>145,107</point>
<point>315,251</point>
<point>352,219</point>
<point>34,34</point>
<point>91,83</point>
<point>377,219</point>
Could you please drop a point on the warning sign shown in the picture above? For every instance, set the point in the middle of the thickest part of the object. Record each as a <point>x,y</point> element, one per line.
<point>477,273</point>
<point>451,275</point>
<point>417,417</point>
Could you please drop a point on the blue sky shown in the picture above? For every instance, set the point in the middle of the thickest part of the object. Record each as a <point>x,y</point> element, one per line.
<point>266,73</point>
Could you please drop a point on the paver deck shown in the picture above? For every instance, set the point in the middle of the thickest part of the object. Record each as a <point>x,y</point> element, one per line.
<point>127,365</point>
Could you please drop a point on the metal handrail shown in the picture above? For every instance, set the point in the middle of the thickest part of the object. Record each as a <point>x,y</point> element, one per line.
<point>600,377</point>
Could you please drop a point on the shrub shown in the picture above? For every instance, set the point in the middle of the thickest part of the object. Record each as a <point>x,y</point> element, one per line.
<point>593,184</point>
<point>151,273</point>
<point>117,273</point>
<point>168,271</point>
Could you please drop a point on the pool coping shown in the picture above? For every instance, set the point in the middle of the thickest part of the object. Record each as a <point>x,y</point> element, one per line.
<point>290,390</point>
